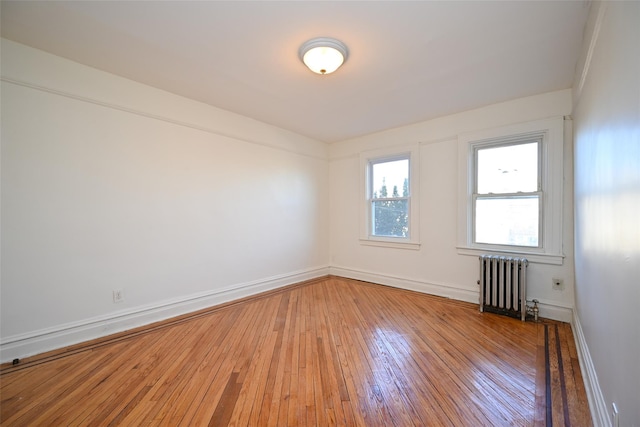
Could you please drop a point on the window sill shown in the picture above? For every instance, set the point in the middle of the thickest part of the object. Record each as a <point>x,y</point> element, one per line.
<point>390,244</point>
<point>538,258</point>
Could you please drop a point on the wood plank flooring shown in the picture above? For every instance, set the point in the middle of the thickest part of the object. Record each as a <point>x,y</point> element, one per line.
<point>328,352</point>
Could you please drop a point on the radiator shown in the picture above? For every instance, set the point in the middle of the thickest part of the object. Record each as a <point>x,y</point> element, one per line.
<point>503,285</point>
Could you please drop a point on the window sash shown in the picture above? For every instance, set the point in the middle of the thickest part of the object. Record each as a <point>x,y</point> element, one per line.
<point>406,210</point>
<point>373,200</point>
<point>479,147</point>
<point>509,196</point>
<point>389,199</point>
<point>373,162</point>
<point>506,196</point>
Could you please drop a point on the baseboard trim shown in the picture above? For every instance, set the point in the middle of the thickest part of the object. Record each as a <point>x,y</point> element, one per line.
<point>597,404</point>
<point>548,309</point>
<point>437,289</point>
<point>44,340</point>
<point>552,311</point>
<point>21,346</point>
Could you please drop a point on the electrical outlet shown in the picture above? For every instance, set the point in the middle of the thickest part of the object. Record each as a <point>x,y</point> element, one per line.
<point>558,284</point>
<point>118,295</point>
<point>614,415</point>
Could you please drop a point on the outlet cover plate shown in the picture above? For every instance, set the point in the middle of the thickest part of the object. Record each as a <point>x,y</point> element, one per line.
<point>118,295</point>
<point>558,284</point>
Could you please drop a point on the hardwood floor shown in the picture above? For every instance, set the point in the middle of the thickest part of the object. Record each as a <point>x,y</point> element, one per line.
<point>328,352</point>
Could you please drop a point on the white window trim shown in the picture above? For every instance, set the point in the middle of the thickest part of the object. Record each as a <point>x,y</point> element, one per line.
<point>366,238</point>
<point>552,133</point>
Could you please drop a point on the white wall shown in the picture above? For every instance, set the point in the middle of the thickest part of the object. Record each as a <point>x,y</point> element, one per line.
<point>437,267</point>
<point>108,184</point>
<point>607,204</point>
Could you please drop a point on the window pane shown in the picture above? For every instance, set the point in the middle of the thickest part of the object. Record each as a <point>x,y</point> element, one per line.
<point>508,169</point>
<point>390,218</point>
<point>390,179</point>
<point>508,221</point>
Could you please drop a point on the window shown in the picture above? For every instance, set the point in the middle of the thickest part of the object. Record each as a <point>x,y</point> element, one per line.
<point>511,191</point>
<point>389,197</point>
<point>507,197</point>
<point>390,187</point>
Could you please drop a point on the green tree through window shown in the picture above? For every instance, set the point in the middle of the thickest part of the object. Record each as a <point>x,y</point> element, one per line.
<point>390,212</point>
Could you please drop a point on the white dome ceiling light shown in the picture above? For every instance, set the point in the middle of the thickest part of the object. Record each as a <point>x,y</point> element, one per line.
<point>323,55</point>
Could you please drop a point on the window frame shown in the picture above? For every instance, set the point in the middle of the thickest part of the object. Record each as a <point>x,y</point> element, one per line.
<point>371,191</point>
<point>550,133</point>
<point>367,160</point>
<point>503,196</point>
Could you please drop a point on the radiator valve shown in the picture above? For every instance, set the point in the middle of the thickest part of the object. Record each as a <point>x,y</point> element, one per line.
<point>534,310</point>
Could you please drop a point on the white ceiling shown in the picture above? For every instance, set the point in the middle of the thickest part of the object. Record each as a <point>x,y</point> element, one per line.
<point>408,61</point>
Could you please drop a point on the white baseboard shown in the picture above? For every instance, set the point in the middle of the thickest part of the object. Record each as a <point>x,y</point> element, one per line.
<point>552,311</point>
<point>597,404</point>
<point>442,290</point>
<point>548,309</point>
<point>20,346</point>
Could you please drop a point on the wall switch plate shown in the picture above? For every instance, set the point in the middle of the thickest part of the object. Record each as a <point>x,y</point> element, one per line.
<point>118,295</point>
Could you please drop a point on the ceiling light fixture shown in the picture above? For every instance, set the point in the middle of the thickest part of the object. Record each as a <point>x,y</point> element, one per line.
<point>323,55</point>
